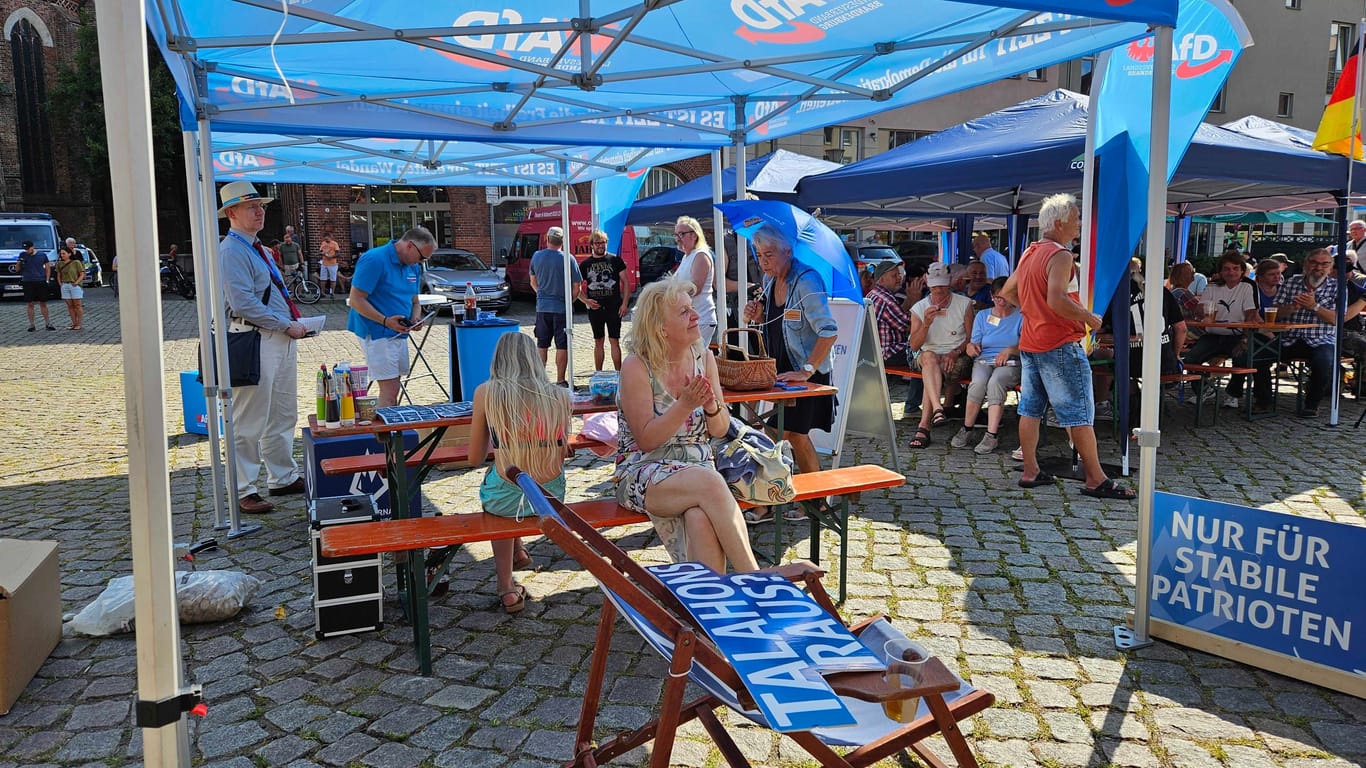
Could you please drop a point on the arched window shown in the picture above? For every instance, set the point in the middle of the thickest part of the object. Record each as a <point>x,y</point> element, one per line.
<point>30,97</point>
<point>659,180</point>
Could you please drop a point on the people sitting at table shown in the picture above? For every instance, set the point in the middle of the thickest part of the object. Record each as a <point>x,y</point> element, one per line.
<point>913,290</point>
<point>799,333</point>
<point>1179,281</point>
<point>1269,276</point>
<point>995,347</point>
<point>669,408</point>
<point>977,286</point>
<point>1311,298</point>
<point>526,418</point>
<point>1230,299</point>
<point>1173,337</point>
<point>941,327</point>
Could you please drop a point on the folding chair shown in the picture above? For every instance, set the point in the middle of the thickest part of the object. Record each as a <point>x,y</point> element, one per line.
<point>665,624</point>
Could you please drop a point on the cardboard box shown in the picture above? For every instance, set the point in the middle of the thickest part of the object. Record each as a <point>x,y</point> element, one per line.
<point>30,613</point>
<point>455,436</point>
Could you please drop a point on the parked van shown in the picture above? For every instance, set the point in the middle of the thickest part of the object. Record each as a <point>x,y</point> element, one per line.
<point>530,238</point>
<point>15,229</point>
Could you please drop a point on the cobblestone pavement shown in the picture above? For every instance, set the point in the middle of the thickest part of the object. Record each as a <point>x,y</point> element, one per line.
<point>1018,590</point>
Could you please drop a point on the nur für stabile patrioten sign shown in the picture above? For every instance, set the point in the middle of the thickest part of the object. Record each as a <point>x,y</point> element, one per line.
<point>1287,584</point>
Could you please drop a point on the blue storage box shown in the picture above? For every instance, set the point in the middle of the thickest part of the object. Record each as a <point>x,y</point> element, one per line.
<point>372,484</point>
<point>192,405</point>
<point>475,343</point>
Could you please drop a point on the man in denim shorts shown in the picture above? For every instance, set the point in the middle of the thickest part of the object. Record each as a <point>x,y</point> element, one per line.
<point>1054,368</point>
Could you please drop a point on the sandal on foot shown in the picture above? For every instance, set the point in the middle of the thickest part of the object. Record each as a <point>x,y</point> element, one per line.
<point>938,418</point>
<point>518,591</point>
<point>755,516</point>
<point>521,560</point>
<point>795,515</point>
<point>1109,490</point>
<point>1041,479</point>
<point>921,439</point>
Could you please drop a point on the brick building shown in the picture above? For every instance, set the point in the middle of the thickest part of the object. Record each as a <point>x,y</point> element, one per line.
<point>40,172</point>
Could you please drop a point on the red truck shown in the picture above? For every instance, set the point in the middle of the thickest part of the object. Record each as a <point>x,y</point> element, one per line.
<point>530,238</point>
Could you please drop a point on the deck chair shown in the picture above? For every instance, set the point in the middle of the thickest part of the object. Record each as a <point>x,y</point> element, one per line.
<point>660,618</point>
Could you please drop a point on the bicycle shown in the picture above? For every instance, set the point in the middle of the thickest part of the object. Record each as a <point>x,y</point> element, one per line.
<point>301,289</point>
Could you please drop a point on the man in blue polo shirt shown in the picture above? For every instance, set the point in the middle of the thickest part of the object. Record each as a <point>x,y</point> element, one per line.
<point>384,306</point>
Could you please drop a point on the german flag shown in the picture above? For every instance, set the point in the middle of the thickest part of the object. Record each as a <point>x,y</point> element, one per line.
<point>1335,129</point>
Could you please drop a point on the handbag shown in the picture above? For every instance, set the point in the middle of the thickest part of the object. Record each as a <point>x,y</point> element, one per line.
<point>244,355</point>
<point>756,469</point>
<point>739,370</point>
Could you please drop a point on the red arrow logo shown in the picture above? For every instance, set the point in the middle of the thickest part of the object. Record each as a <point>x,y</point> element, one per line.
<point>801,32</point>
<point>1185,70</point>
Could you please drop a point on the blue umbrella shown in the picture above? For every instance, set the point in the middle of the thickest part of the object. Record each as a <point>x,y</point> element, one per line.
<point>813,244</point>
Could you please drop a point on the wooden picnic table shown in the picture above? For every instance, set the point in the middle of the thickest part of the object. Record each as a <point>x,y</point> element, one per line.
<point>1262,339</point>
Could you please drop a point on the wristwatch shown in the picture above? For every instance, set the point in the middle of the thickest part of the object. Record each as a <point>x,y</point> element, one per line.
<point>809,368</point>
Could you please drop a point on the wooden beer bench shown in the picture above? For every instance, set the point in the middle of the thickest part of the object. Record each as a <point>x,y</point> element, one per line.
<point>444,454</point>
<point>1207,372</point>
<point>415,534</point>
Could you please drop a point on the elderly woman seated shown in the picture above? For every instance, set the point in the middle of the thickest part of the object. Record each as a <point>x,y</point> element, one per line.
<point>669,408</point>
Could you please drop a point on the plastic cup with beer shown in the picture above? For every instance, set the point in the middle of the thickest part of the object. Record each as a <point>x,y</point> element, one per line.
<point>905,669</point>
<point>1272,313</point>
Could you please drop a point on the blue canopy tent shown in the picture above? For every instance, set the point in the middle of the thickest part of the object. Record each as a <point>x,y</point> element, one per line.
<point>689,74</point>
<point>773,177</point>
<point>1009,160</point>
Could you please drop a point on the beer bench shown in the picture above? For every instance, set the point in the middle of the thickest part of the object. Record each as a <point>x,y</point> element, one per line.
<point>1207,372</point>
<point>444,454</point>
<point>415,534</point>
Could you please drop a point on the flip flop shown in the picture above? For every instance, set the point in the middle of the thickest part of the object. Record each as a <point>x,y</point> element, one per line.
<point>1109,490</point>
<point>517,591</point>
<point>755,516</point>
<point>1041,479</point>
<point>921,439</point>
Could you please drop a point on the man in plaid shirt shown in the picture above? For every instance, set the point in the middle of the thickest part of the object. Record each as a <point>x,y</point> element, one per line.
<point>893,319</point>
<point>1311,297</point>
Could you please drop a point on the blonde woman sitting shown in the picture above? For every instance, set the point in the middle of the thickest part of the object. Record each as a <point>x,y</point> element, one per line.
<point>527,419</point>
<point>669,407</point>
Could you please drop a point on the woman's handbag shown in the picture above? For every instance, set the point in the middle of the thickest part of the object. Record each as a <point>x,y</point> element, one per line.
<point>741,371</point>
<point>757,470</point>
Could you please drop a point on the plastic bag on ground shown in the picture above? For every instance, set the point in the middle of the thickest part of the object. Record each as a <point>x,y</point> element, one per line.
<point>203,596</point>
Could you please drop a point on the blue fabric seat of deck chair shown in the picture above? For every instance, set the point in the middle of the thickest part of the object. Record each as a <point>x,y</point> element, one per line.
<point>870,721</point>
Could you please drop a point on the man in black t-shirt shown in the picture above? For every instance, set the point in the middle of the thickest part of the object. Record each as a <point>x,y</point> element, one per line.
<point>605,290</point>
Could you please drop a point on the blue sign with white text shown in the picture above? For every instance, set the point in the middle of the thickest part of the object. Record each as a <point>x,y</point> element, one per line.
<point>776,637</point>
<point>1279,582</point>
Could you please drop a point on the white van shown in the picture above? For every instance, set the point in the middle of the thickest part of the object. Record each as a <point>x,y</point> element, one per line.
<point>17,228</point>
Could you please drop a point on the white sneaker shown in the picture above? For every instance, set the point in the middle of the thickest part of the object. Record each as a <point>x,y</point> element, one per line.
<point>960,440</point>
<point>1017,454</point>
<point>1208,395</point>
<point>1230,401</point>
<point>989,443</point>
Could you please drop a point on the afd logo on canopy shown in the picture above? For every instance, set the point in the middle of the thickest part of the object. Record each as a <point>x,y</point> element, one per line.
<point>537,47</point>
<point>791,22</point>
<point>232,161</point>
<point>1194,54</point>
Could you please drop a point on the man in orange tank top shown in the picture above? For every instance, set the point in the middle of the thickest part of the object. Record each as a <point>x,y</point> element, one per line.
<point>1054,368</point>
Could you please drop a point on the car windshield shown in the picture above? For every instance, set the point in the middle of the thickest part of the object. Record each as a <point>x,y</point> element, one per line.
<point>877,254</point>
<point>460,261</point>
<point>15,235</point>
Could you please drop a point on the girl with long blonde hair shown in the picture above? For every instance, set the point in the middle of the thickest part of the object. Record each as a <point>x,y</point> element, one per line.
<point>526,418</point>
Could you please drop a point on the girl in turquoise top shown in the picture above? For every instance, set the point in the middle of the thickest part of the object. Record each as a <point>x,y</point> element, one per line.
<point>527,419</point>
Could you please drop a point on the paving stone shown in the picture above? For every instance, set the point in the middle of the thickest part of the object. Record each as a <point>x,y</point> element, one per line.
<point>401,722</point>
<point>460,697</point>
<point>394,755</point>
<point>282,750</point>
<point>1011,724</point>
<point>468,758</point>
<point>217,741</point>
<point>100,715</point>
<point>348,749</point>
<point>1343,738</point>
<point>1199,725</point>
<point>1013,752</point>
<point>91,745</point>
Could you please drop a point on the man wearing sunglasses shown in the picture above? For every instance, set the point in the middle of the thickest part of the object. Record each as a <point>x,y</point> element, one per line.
<point>384,306</point>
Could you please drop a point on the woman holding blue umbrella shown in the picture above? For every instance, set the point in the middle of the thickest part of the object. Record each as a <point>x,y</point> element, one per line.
<point>799,331</point>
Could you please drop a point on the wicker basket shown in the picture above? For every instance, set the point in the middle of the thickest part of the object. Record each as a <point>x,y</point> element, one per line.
<point>741,371</point>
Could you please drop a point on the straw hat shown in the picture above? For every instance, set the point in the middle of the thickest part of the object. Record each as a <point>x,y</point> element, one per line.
<point>235,192</point>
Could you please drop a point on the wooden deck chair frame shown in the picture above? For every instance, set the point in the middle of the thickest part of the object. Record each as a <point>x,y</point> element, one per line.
<point>631,589</point>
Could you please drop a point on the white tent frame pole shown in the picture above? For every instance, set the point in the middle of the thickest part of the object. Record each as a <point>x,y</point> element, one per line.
<point>1149,434</point>
<point>568,246</point>
<point>212,292</point>
<point>718,240</point>
<point>199,249</point>
<point>741,242</point>
<point>128,126</point>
